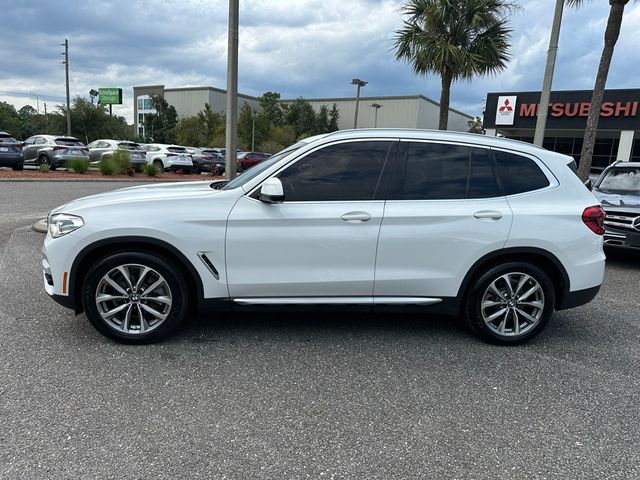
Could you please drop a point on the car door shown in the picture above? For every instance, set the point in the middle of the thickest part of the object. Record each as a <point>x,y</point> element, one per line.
<point>28,151</point>
<point>444,212</point>
<point>321,240</point>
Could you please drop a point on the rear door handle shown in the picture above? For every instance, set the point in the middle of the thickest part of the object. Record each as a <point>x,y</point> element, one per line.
<point>356,217</point>
<point>491,214</point>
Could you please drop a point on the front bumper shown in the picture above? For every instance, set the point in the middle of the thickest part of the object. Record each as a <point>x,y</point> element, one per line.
<point>620,231</point>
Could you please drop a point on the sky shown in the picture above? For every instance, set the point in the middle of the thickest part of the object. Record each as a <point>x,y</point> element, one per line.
<point>300,48</point>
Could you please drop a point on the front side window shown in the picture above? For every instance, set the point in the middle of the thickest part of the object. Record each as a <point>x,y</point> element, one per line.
<point>40,141</point>
<point>341,172</point>
<point>438,171</point>
<point>519,174</point>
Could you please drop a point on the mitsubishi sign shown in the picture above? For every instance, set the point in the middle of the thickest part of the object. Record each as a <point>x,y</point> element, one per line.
<point>567,110</point>
<point>506,110</point>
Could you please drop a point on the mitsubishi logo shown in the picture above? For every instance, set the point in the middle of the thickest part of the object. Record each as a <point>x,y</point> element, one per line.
<point>636,223</point>
<point>506,106</point>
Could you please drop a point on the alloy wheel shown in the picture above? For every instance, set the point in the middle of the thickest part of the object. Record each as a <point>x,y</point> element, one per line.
<point>133,299</point>
<point>512,304</point>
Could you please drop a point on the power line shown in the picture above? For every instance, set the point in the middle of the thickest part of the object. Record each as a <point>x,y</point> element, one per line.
<point>32,94</point>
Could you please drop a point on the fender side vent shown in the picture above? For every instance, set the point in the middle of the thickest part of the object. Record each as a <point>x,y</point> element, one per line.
<point>207,262</point>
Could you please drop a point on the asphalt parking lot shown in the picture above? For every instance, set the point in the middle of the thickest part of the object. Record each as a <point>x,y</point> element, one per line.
<point>301,395</point>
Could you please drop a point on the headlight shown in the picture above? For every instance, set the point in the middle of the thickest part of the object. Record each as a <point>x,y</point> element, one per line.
<point>61,223</point>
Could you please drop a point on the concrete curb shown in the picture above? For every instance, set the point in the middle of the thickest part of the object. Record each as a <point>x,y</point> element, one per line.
<point>40,226</point>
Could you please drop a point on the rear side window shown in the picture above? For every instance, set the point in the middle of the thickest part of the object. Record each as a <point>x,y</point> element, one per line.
<point>519,174</point>
<point>447,172</point>
<point>342,172</point>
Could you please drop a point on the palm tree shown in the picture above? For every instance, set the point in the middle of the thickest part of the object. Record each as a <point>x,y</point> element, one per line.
<point>455,39</point>
<point>611,35</point>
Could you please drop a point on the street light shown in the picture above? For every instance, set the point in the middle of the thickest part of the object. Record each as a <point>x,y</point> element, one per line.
<point>359,83</point>
<point>93,93</point>
<point>377,106</point>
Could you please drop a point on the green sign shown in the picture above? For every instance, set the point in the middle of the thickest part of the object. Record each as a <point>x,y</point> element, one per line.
<point>111,96</point>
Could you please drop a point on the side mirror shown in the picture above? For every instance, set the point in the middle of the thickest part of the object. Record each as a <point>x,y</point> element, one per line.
<point>271,191</point>
<point>588,184</point>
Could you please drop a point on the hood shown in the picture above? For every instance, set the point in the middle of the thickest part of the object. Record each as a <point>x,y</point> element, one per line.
<point>617,200</point>
<point>142,193</point>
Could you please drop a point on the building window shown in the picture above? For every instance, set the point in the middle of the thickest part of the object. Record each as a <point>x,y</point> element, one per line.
<point>141,118</point>
<point>141,131</point>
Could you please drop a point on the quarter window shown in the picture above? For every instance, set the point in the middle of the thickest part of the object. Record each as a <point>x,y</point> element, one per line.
<point>519,174</point>
<point>341,172</point>
<point>448,172</point>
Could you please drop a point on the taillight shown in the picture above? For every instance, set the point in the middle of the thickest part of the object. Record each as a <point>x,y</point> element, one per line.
<point>170,154</point>
<point>593,217</point>
<point>58,147</point>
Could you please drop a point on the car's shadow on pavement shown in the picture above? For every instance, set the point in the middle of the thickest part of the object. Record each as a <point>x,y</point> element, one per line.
<point>623,258</point>
<point>307,325</point>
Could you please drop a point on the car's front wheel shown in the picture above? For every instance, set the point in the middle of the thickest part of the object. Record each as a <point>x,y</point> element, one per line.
<point>134,297</point>
<point>510,303</point>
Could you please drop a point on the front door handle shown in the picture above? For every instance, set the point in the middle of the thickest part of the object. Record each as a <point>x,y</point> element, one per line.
<point>356,217</point>
<point>490,214</point>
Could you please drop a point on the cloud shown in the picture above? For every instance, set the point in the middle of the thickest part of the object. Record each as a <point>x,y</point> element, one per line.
<point>309,48</point>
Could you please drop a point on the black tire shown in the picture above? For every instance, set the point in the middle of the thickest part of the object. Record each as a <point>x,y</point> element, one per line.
<point>18,167</point>
<point>159,165</point>
<point>176,311</point>
<point>195,169</point>
<point>472,309</point>
<point>44,160</point>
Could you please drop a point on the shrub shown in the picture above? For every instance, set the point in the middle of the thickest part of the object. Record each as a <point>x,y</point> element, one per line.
<point>106,166</point>
<point>78,165</point>
<point>120,161</point>
<point>131,171</point>
<point>150,170</point>
<point>44,168</point>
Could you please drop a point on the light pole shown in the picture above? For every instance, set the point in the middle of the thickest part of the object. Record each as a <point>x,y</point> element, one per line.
<point>232,91</point>
<point>359,83</point>
<point>253,131</point>
<point>377,106</point>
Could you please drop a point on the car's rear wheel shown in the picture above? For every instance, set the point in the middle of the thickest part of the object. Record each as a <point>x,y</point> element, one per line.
<point>159,165</point>
<point>510,303</point>
<point>195,169</point>
<point>44,160</point>
<point>134,297</point>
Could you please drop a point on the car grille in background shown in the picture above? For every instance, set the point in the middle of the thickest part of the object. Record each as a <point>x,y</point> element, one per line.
<point>621,220</point>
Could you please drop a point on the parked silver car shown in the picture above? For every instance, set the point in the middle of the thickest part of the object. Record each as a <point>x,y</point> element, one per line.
<point>53,150</point>
<point>104,148</point>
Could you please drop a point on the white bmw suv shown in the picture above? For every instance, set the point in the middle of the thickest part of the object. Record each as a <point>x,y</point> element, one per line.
<point>500,232</point>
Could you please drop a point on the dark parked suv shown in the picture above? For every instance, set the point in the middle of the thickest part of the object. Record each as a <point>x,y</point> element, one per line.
<point>618,190</point>
<point>53,150</point>
<point>10,152</point>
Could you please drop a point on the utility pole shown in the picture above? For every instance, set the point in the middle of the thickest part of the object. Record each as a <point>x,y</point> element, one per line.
<point>66,73</point>
<point>359,83</point>
<point>232,90</point>
<point>253,131</point>
<point>45,118</point>
<point>543,107</point>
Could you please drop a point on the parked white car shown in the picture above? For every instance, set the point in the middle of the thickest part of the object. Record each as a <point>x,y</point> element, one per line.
<point>497,231</point>
<point>168,157</point>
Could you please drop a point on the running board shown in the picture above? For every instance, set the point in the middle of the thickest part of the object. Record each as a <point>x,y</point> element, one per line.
<point>337,301</point>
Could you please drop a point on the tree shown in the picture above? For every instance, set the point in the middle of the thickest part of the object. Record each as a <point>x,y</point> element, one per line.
<point>475,125</point>
<point>191,131</point>
<point>322,120</point>
<point>9,119</point>
<point>334,117</point>
<point>301,116</point>
<point>611,34</point>
<point>161,125</point>
<point>455,39</point>
<point>213,124</point>
<point>271,107</point>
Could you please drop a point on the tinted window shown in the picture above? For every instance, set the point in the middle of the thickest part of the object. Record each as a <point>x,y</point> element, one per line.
<point>69,142</point>
<point>7,139</point>
<point>519,174</point>
<point>347,171</point>
<point>177,149</point>
<point>445,172</point>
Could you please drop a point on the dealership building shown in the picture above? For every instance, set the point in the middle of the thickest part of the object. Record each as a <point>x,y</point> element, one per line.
<point>514,115</point>
<point>413,111</point>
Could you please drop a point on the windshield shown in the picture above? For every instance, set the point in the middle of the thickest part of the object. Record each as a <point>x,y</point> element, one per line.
<point>621,179</point>
<point>261,167</point>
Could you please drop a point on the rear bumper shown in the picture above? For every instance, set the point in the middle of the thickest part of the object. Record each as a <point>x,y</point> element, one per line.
<point>578,297</point>
<point>11,161</point>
